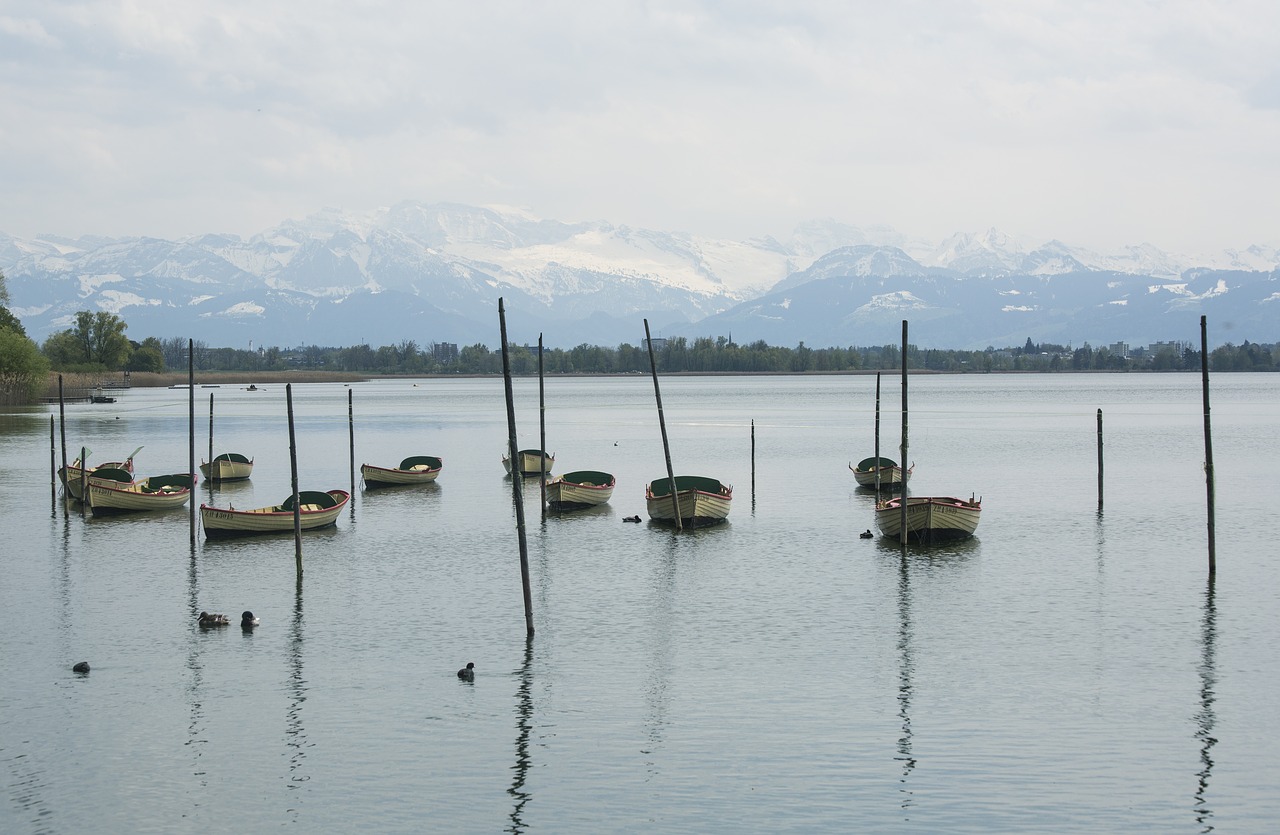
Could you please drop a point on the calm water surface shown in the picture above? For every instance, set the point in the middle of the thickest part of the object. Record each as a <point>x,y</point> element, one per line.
<point>1064,671</point>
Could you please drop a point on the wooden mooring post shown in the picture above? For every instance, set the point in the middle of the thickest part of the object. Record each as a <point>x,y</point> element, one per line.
<point>191,431</point>
<point>62,429</point>
<point>517,484</point>
<point>902,535</point>
<point>293,480</point>
<point>214,471</point>
<point>351,435</point>
<point>1099,459</point>
<point>1208,442</point>
<point>53,468</point>
<point>542,434</point>
<point>662,425</point>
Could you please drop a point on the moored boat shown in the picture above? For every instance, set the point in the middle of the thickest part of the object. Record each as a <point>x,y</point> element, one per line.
<point>930,519</point>
<point>229,466</point>
<point>109,494</point>
<point>703,501</point>
<point>883,470</point>
<point>75,473</point>
<point>580,489</point>
<point>530,461</point>
<point>316,510</point>
<point>416,469</point>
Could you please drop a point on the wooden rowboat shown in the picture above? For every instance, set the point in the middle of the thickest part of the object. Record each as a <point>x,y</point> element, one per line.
<point>416,469</point>
<point>930,519</point>
<point>317,510</point>
<point>530,461</point>
<point>703,501</point>
<point>71,475</point>
<point>229,466</point>
<point>579,489</point>
<point>890,475</point>
<point>159,492</point>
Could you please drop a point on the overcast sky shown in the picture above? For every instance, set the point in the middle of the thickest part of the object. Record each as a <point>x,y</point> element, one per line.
<point>1096,123</point>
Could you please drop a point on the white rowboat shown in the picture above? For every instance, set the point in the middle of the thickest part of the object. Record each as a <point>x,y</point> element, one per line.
<point>930,519</point>
<point>579,489</point>
<point>416,469</point>
<point>317,510</point>
<point>703,501</point>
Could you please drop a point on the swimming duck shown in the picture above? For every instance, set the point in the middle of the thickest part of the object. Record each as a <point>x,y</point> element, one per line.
<point>631,518</point>
<point>207,620</point>
<point>468,673</point>
<point>247,620</point>
<point>81,667</point>
<point>867,534</point>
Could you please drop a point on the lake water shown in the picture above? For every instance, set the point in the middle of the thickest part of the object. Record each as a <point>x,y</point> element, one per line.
<point>1064,671</point>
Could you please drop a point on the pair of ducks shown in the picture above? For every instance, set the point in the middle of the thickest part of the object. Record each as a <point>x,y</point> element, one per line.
<point>247,620</point>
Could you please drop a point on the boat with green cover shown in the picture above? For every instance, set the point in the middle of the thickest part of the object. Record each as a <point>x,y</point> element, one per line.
<point>703,501</point>
<point>580,489</point>
<point>316,510</point>
<point>416,469</point>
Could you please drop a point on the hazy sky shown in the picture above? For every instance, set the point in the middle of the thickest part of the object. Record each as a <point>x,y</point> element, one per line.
<point>1097,123</point>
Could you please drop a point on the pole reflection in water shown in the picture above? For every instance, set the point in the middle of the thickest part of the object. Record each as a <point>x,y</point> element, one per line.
<point>655,695</point>
<point>524,724</point>
<point>904,678</point>
<point>195,727</point>
<point>1205,719</point>
<point>295,735</point>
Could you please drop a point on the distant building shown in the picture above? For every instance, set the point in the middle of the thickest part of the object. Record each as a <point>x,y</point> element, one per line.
<point>444,351</point>
<point>1120,349</point>
<point>1178,347</point>
<point>657,344</point>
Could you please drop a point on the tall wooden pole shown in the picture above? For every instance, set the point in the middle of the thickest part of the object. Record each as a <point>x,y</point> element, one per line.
<point>191,431</point>
<point>84,480</point>
<point>1099,459</point>
<point>1208,441</point>
<point>662,425</point>
<point>877,448</point>
<point>753,459</point>
<point>351,432</point>
<point>293,480</point>
<point>62,424</point>
<point>542,433</point>
<point>214,471</point>
<point>902,536</point>
<point>53,468</point>
<point>517,484</point>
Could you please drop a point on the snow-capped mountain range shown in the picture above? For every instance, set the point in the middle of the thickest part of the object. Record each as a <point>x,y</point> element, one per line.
<point>434,273</point>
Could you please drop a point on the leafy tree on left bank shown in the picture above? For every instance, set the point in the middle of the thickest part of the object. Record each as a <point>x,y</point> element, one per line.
<point>23,369</point>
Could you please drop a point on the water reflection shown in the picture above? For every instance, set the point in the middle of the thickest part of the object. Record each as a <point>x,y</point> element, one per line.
<point>1205,718</point>
<point>524,725</point>
<point>195,725</point>
<point>295,735</point>
<point>655,694</point>
<point>905,670</point>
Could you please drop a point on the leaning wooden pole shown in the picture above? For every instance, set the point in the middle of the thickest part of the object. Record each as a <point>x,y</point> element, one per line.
<point>1208,441</point>
<point>517,487</point>
<point>293,480</point>
<point>1099,459</point>
<point>542,433</point>
<point>902,517</point>
<point>62,428</point>
<point>753,459</point>
<point>662,425</point>
<point>191,431</point>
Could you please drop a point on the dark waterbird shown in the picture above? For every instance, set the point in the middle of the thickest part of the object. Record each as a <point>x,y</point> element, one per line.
<point>247,620</point>
<point>468,673</point>
<point>631,518</point>
<point>207,620</point>
<point>81,667</point>
<point>867,534</point>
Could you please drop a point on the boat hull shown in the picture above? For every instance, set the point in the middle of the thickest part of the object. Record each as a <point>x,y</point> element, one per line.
<point>703,501</point>
<point>890,475</point>
<point>73,475</point>
<point>530,462</point>
<point>581,489</point>
<point>156,493</point>
<point>421,469</point>
<point>930,519</point>
<point>221,523</point>
<point>227,467</point>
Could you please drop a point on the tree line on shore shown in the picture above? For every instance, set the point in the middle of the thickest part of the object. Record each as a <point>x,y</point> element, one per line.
<point>97,343</point>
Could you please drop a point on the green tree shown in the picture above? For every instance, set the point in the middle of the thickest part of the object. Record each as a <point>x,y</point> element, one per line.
<point>149,356</point>
<point>8,322</point>
<point>101,336</point>
<point>23,369</point>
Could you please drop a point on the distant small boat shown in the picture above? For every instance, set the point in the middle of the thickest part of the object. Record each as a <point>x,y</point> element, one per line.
<point>703,501</point>
<point>890,475</point>
<point>416,469</point>
<point>580,489</point>
<point>159,492</point>
<point>930,519</point>
<point>316,510</point>
<point>252,387</point>
<point>70,475</point>
<point>530,461</point>
<point>229,466</point>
